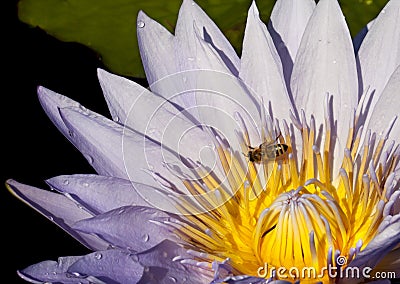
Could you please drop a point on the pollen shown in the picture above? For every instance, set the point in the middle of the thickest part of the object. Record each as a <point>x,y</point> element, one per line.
<point>291,212</point>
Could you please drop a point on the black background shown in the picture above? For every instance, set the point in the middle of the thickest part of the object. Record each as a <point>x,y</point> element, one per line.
<point>32,148</point>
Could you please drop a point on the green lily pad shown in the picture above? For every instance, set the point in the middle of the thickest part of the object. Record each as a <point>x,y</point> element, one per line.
<point>109,26</point>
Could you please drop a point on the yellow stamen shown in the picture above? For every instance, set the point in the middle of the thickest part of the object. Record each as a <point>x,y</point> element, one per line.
<point>293,217</point>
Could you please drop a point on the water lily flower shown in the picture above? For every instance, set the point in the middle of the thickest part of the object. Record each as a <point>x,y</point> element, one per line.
<point>279,166</point>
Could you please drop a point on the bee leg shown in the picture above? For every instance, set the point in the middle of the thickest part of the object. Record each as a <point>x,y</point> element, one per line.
<point>251,148</point>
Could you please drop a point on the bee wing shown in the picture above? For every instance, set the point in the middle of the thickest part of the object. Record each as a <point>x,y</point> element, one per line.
<point>268,151</point>
<point>264,146</point>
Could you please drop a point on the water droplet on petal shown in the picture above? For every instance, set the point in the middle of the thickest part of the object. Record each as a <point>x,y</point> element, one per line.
<point>165,254</point>
<point>146,238</point>
<point>66,182</point>
<point>88,158</point>
<point>71,133</point>
<point>117,119</point>
<point>121,211</point>
<point>98,255</point>
<point>76,274</point>
<point>85,184</point>
<point>334,61</point>
<point>383,11</point>
<point>150,131</point>
<point>246,184</point>
<point>140,24</point>
<point>50,218</point>
<point>191,58</point>
<point>173,279</point>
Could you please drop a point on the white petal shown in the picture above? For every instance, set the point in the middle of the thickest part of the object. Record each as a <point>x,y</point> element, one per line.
<point>386,109</point>
<point>58,208</point>
<point>287,24</point>
<point>156,48</point>
<point>324,64</point>
<point>190,17</point>
<point>198,44</point>
<point>117,151</point>
<point>261,68</point>
<point>379,54</point>
<point>359,38</point>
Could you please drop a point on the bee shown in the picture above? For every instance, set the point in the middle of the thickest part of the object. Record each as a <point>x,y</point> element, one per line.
<point>267,151</point>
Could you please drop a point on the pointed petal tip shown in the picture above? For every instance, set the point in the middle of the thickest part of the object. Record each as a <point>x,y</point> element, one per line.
<point>187,5</point>
<point>12,187</point>
<point>101,72</point>
<point>39,89</point>
<point>9,183</point>
<point>103,75</point>
<point>27,278</point>
<point>42,92</point>
<point>142,16</point>
<point>253,8</point>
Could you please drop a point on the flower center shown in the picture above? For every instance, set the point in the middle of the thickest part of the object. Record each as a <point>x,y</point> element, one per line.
<point>278,214</point>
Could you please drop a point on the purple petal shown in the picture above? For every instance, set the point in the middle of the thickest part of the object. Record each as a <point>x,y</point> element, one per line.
<point>261,67</point>
<point>379,54</point>
<point>99,193</point>
<point>58,208</point>
<point>117,151</point>
<point>110,266</point>
<point>51,103</point>
<point>52,271</point>
<point>152,115</point>
<point>287,24</point>
<point>136,228</point>
<point>325,64</point>
<point>162,266</point>
<point>381,245</point>
<point>98,139</point>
